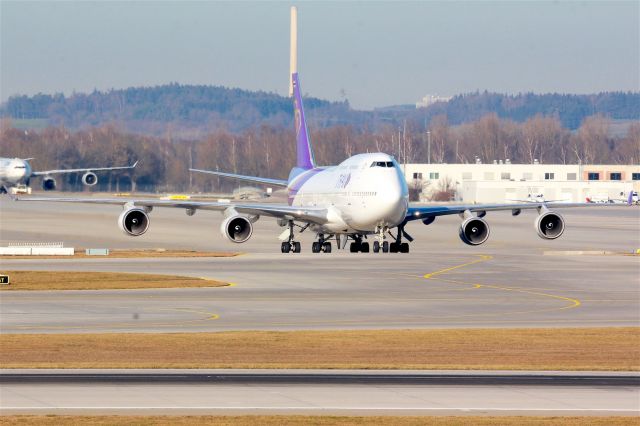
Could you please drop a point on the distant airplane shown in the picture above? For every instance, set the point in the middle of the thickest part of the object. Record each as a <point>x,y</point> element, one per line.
<point>17,172</point>
<point>631,199</point>
<point>364,196</point>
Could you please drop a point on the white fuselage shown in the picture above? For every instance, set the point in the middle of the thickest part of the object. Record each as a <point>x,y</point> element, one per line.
<point>14,171</point>
<point>364,193</point>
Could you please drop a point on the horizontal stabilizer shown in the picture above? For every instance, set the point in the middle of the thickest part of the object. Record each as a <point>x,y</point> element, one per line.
<point>264,181</point>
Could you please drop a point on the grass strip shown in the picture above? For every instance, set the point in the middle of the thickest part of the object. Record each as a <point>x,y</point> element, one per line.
<point>569,349</point>
<point>47,280</point>
<point>284,420</point>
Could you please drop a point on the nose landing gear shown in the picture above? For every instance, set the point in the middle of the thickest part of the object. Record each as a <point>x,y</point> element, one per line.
<point>384,247</point>
<point>380,243</point>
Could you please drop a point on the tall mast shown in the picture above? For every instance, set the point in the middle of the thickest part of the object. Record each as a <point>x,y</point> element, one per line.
<point>293,48</point>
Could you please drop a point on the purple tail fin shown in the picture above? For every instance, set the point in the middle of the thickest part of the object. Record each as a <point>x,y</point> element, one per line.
<point>303,145</point>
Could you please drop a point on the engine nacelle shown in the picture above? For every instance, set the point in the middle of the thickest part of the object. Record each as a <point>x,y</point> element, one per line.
<point>474,231</point>
<point>134,221</point>
<point>237,228</point>
<point>549,225</point>
<point>429,220</point>
<point>89,179</point>
<point>48,183</point>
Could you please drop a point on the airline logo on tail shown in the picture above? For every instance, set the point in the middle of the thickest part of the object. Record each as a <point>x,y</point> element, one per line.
<point>303,145</point>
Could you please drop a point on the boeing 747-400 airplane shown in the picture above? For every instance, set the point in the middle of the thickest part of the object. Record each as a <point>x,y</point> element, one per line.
<point>15,172</point>
<point>364,196</point>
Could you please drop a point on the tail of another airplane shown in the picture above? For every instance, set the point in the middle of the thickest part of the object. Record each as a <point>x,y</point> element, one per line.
<point>303,144</point>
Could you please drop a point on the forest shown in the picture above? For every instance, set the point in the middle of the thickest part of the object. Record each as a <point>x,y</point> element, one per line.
<point>268,150</point>
<point>193,111</point>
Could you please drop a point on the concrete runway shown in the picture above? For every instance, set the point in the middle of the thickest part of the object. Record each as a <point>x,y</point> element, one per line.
<point>507,282</point>
<point>318,392</point>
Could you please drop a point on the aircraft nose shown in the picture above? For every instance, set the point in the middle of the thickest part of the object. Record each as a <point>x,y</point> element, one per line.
<point>391,194</point>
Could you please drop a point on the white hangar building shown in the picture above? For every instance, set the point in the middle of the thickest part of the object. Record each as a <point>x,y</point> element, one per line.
<point>504,182</point>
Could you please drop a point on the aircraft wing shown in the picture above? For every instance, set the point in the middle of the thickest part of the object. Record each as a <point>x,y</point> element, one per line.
<point>91,169</point>
<point>424,212</point>
<point>285,211</point>
<point>255,179</point>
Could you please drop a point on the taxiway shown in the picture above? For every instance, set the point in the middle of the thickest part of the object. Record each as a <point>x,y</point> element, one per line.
<point>507,282</point>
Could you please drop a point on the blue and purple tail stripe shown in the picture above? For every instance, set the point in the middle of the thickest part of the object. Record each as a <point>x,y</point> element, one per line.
<point>303,145</point>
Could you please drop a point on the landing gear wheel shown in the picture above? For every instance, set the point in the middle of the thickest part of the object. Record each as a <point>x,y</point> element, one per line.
<point>285,247</point>
<point>393,247</point>
<point>364,247</point>
<point>354,247</point>
<point>326,247</point>
<point>297,248</point>
<point>404,248</point>
<point>376,247</point>
<point>385,247</point>
<point>315,247</point>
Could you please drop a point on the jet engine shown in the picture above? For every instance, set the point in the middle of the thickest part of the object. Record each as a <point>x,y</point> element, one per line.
<point>474,231</point>
<point>48,183</point>
<point>429,220</point>
<point>89,179</point>
<point>549,225</point>
<point>237,228</point>
<point>134,221</point>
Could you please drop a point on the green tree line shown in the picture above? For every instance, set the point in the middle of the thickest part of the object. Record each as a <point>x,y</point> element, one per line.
<point>193,111</point>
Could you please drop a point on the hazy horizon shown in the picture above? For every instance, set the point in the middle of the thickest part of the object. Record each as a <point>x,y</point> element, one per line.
<point>374,54</point>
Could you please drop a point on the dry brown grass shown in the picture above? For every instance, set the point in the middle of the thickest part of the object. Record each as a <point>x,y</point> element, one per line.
<point>127,254</point>
<point>318,420</point>
<point>47,280</point>
<point>492,349</point>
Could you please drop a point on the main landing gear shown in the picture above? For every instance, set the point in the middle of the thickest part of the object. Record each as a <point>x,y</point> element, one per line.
<point>291,246</point>
<point>322,245</point>
<point>398,246</point>
<point>358,245</point>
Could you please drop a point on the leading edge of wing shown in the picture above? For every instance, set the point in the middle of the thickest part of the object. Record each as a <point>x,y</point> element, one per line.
<point>306,214</point>
<point>256,179</point>
<point>416,212</point>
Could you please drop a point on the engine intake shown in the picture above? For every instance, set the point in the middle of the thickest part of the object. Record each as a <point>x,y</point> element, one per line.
<point>549,225</point>
<point>474,231</point>
<point>237,228</point>
<point>89,179</point>
<point>48,183</point>
<point>134,221</point>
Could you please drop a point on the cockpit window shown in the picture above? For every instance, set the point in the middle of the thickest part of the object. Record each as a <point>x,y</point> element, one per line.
<point>381,164</point>
<point>389,163</point>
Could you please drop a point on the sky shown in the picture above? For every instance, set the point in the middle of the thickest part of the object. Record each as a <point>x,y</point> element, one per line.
<point>373,53</point>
